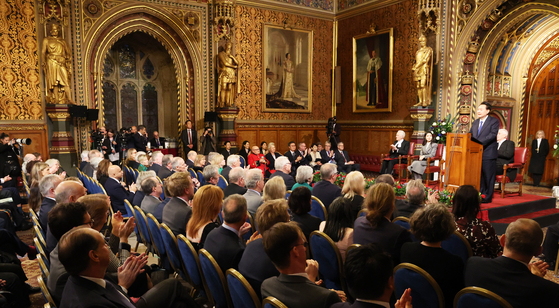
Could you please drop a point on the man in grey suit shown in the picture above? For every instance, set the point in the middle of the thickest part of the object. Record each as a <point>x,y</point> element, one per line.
<point>152,190</point>
<point>295,286</point>
<point>254,183</point>
<point>166,167</point>
<point>177,212</point>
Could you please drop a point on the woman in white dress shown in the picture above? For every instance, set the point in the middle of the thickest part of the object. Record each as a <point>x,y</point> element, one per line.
<point>288,69</point>
<point>429,149</point>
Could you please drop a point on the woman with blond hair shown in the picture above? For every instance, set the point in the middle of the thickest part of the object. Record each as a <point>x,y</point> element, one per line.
<point>219,161</point>
<point>131,159</point>
<point>143,162</point>
<point>205,208</point>
<point>199,163</point>
<point>354,189</point>
<point>38,171</point>
<point>274,189</point>
<point>376,227</point>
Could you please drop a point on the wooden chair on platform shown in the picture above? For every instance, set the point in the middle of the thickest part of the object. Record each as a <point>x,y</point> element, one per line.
<point>430,160</point>
<point>520,159</point>
<point>399,167</point>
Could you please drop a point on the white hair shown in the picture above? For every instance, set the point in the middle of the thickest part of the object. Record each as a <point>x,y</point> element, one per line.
<point>176,161</point>
<point>144,175</point>
<point>303,174</point>
<point>506,132</point>
<point>47,183</point>
<point>95,162</point>
<point>253,176</point>
<point>232,159</point>
<point>281,162</point>
<point>402,132</point>
<point>84,155</point>
<point>192,155</point>
<point>236,174</point>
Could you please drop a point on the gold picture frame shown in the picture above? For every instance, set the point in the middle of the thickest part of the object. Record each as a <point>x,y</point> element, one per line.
<point>296,69</point>
<point>382,43</point>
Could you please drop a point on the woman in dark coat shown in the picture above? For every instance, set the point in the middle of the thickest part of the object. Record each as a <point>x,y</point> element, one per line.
<point>540,149</point>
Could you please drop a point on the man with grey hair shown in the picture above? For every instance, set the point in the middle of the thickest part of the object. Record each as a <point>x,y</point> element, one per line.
<point>165,170</point>
<point>152,190</point>
<point>88,169</point>
<point>255,184</point>
<point>232,162</point>
<point>236,183</point>
<point>139,195</point>
<point>505,152</point>
<point>178,165</point>
<point>29,158</point>
<point>190,158</point>
<point>211,174</point>
<point>415,195</point>
<point>283,170</point>
<point>325,190</point>
<point>157,161</point>
<point>47,186</point>
<point>225,243</point>
<point>399,147</point>
<point>512,276</point>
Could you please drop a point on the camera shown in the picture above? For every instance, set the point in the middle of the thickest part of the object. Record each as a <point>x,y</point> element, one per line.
<point>24,141</point>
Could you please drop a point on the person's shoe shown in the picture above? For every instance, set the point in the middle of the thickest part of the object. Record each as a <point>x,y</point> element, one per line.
<point>32,290</point>
<point>25,225</point>
<point>486,201</point>
<point>32,253</point>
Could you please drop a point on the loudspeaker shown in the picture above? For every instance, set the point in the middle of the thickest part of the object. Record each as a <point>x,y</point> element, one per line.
<point>210,116</point>
<point>78,111</point>
<point>92,114</point>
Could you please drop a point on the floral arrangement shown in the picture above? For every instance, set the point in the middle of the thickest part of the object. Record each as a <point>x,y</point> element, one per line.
<point>556,144</point>
<point>441,128</point>
<point>316,177</point>
<point>399,188</point>
<point>369,182</point>
<point>445,197</point>
<point>341,179</point>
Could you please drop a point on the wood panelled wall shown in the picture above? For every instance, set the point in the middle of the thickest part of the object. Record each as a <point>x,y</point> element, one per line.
<point>36,132</point>
<point>371,139</point>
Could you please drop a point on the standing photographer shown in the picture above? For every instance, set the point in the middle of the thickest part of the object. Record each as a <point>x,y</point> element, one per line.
<point>208,141</point>
<point>10,168</point>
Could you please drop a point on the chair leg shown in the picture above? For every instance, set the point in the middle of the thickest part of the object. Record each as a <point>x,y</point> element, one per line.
<point>503,185</point>
<point>137,244</point>
<point>520,188</point>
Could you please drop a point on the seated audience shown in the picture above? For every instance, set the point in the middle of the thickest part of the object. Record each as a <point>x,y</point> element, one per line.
<point>271,157</point>
<point>339,226</point>
<point>264,147</point>
<point>156,161</point>
<point>199,163</point>
<point>316,159</point>
<point>370,279</point>
<point>117,192</point>
<point>19,293</point>
<point>304,177</point>
<point>343,161</point>
<point>479,233</point>
<point>274,189</point>
<point>512,276</point>
<point>376,227</point>
<point>177,211</point>
<point>328,155</point>
<point>232,162</point>
<point>152,194</point>
<point>103,171</point>
<point>325,190</point>
<point>88,169</point>
<point>38,171</point>
<point>47,187</point>
<point>211,175</point>
<point>415,195</point>
<point>205,209</point>
<point>218,160</point>
<point>139,195</point>
<point>178,165</point>
<point>30,157</point>
<point>190,158</point>
<point>255,265</point>
<point>255,184</point>
<point>505,152</point>
<point>245,150</point>
<point>157,142</point>
<point>283,170</point>
<point>225,243</point>
<point>226,151</point>
<point>431,225</point>
<point>166,167</point>
<point>236,182</point>
<point>300,206</point>
<point>54,165</point>
<point>428,149</point>
<point>256,160</point>
<point>354,190</point>
<point>295,287</point>
<point>159,209</point>
<point>388,179</point>
<point>399,147</point>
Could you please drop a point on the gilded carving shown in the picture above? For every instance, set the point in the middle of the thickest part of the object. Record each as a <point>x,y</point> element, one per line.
<point>227,80</point>
<point>422,72</point>
<point>57,66</point>
<point>423,117</point>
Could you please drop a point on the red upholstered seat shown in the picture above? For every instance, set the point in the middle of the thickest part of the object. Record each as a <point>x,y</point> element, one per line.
<point>367,162</point>
<point>520,159</point>
<point>403,166</point>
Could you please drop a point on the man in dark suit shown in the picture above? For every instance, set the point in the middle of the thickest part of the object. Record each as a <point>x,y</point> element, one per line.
<point>117,192</point>
<point>369,278</point>
<point>88,169</point>
<point>157,161</point>
<point>225,243</point>
<point>226,151</point>
<point>300,157</point>
<point>189,138</point>
<point>233,161</point>
<point>415,195</point>
<point>283,170</point>
<point>157,142</point>
<point>288,251</point>
<point>130,137</point>
<point>328,155</point>
<point>484,131</point>
<point>178,211</point>
<point>325,190</point>
<point>334,137</point>
<point>152,191</point>
<point>512,276</point>
<point>399,147</point>
<point>236,183</point>
<point>85,257</point>
<point>166,167</point>
<point>47,186</point>
<point>190,157</point>
<point>141,139</point>
<point>505,152</point>
<point>344,163</point>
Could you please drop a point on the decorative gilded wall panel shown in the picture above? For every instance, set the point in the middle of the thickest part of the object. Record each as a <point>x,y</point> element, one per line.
<point>248,49</point>
<point>20,97</point>
<point>401,17</point>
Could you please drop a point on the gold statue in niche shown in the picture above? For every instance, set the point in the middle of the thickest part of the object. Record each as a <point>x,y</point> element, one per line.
<point>57,65</point>
<point>422,72</point>
<point>228,85</point>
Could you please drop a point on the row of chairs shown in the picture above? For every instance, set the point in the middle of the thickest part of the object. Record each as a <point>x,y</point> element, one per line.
<point>44,264</point>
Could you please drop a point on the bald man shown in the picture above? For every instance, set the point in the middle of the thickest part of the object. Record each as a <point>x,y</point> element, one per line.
<point>117,192</point>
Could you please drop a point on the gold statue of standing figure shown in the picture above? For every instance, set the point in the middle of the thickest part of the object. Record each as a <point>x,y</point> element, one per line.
<point>228,85</point>
<point>57,66</point>
<point>422,72</point>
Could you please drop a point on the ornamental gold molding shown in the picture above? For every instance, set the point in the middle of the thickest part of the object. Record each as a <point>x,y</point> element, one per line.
<point>421,117</point>
<point>228,132</point>
<point>227,116</point>
<point>62,135</point>
<point>62,150</point>
<point>22,127</point>
<point>59,115</point>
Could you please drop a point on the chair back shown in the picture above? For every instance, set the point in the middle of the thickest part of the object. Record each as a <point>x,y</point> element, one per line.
<point>287,194</point>
<point>192,265</point>
<point>131,213</point>
<point>403,222</point>
<point>170,242</point>
<point>45,291</point>
<point>325,251</point>
<point>439,153</point>
<point>425,292</point>
<point>144,230</point>
<point>215,280</point>
<point>318,209</point>
<point>458,245</point>
<point>272,302</point>
<point>201,178</point>
<point>243,162</point>
<point>43,265</point>
<point>41,251</point>
<point>155,232</point>
<point>412,148</point>
<point>242,294</point>
<point>192,173</point>
<point>520,155</point>
<point>479,297</point>
<point>222,182</point>
<point>40,235</point>
<point>350,248</point>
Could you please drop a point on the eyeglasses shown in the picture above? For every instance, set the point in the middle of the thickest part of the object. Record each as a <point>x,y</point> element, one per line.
<point>90,222</point>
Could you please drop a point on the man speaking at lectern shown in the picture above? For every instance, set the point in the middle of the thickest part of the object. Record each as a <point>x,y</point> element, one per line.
<point>484,131</point>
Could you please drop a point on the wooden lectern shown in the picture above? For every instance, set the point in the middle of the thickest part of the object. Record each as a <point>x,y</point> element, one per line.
<point>463,161</point>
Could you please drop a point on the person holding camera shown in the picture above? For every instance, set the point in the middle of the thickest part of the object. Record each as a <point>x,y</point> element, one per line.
<point>10,168</point>
<point>208,141</point>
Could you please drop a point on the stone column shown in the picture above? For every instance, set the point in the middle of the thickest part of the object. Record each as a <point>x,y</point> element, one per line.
<point>421,124</point>
<point>227,133</point>
<point>62,143</point>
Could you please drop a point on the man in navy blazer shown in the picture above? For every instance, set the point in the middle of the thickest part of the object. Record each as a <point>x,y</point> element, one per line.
<point>117,192</point>
<point>283,169</point>
<point>325,190</point>
<point>47,186</point>
<point>484,131</point>
<point>225,243</point>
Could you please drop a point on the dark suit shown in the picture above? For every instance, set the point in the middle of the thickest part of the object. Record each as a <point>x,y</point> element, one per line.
<point>232,189</point>
<point>193,140</point>
<point>155,167</point>
<point>9,164</point>
<point>244,154</point>
<point>176,215</point>
<point>226,248</point>
<point>326,192</point>
<point>138,198</point>
<point>118,194</point>
<point>82,165</point>
<point>387,234</point>
<point>537,160</point>
<point>307,223</point>
<point>88,170</point>
<point>189,163</point>
<point>506,156</point>
<point>140,142</point>
<point>226,153</point>
<point>225,172</point>
<point>164,173</point>
<point>488,138</point>
<point>256,266</point>
<point>288,179</point>
<point>335,136</point>
<point>356,304</point>
<point>154,145</point>
<point>405,208</point>
<point>513,281</point>
<point>272,160</point>
<point>388,165</point>
<point>158,214</point>
<point>341,159</point>
<point>46,206</point>
<point>325,158</point>
<point>298,292</point>
<point>304,161</point>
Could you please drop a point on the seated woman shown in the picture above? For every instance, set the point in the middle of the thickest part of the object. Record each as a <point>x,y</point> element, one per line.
<point>339,226</point>
<point>376,227</point>
<point>274,189</point>
<point>263,147</point>
<point>271,158</point>
<point>205,209</point>
<point>38,171</point>
<point>300,205</point>
<point>103,171</point>
<point>131,159</point>
<point>479,233</point>
<point>432,225</point>
<point>429,149</point>
<point>257,160</point>
<point>316,161</point>
<point>199,163</point>
<point>353,190</point>
<point>304,177</point>
<point>245,150</point>
<point>143,162</point>
<point>219,161</point>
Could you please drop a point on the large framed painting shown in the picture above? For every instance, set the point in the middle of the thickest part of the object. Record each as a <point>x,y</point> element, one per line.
<point>373,55</point>
<point>287,69</point>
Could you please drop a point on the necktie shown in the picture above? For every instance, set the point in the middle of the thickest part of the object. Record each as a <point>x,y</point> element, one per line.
<point>117,296</point>
<point>157,142</point>
<point>479,129</point>
<point>189,137</point>
<point>343,156</point>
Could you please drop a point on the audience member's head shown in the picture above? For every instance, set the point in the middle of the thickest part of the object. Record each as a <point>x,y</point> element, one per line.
<point>235,210</point>
<point>38,156</point>
<point>285,245</point>
<point>354,184</point>
<point>98,208</point>
<point>368,271</point>
<point>94,153</point>
<point>54,165</point>
<point>103,168</point>
<point>522,240</point>
<point>254,179</point>
<point>270,213</point>
<point>327,146</point>
<point>304,175</point>
<point>205,207</point>
<point>400,135</point>
<point>233,161</point>
<point>274,189</point>
<point>84,155</point>
<point>166,161</point>
<point>379,202</point>
<point>385,178</point>
<point>283,164</point>
<point>329,172</point>
<point>38,171</point>
<point>292,146</point>
<point>192,155</point>
<point>218,160</point>
<point>272,148</point>
<point>178,164</point>
<point>151,186</point>
<point>200,161</point>
<point>179,184</point>
<point>415,192</point>
<point>211,156</point>
<point>466,202</point>
<point>65,216</point>
<point>157,157</point>
<point>48,185</point>
<point>94,162</point>
<point>144,175</point>
<point>211,174</point>
<point>76,248</point>
<point>73,178</point>
<point>143,160</point>
<point>339,218</point>
<point>69,191</point>
<point>115,172</point>
<point>300,200</point>
<point>432,223</point>
<point>237,176</point>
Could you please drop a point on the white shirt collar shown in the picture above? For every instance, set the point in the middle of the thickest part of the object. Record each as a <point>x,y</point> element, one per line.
<point>380,303</point>
<point>399,143</point>
<point>230,228</point>
<point>51,198</point>
<point>118,181</point>
<point>501,142</point>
